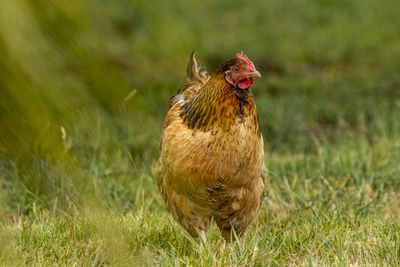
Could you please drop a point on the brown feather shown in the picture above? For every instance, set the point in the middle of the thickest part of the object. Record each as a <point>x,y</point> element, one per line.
<point>212,157</point>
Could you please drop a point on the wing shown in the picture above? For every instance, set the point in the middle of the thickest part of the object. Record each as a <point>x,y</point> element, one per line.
<point>197,76</point>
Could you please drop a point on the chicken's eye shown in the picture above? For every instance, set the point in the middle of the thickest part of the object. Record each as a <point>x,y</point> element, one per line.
<point>236,69</point>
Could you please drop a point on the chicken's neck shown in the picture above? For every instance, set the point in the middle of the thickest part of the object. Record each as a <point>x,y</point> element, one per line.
<point>219,104</point>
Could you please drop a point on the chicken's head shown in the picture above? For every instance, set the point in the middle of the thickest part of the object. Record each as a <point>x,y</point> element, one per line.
<point>242,73</point>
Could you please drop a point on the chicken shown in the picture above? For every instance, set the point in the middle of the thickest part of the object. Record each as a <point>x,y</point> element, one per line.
<point>212,153</point>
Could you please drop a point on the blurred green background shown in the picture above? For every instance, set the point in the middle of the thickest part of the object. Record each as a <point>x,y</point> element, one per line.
<point>330,71</point>
<point>84,87</point>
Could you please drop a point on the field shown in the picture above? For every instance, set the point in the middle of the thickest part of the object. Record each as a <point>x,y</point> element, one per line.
<point>84,87</point>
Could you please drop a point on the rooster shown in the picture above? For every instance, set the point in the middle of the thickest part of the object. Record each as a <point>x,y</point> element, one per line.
<point>212,152</point>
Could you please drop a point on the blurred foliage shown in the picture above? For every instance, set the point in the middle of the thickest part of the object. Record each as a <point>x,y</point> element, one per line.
<point>84,85</point>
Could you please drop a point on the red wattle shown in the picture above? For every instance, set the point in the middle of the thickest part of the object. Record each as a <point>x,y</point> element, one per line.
<point>243,84</point>
<point>246,83</point>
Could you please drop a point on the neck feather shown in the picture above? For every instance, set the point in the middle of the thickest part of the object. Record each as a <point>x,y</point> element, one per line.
<point>219,105</point>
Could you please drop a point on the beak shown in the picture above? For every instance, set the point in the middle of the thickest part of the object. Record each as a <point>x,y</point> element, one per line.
<point>254,73</point>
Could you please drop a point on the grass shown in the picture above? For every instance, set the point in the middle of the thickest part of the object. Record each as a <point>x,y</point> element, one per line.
<point>84,87</point>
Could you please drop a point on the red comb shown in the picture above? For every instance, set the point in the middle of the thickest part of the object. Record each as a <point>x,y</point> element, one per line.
<point>243,57</point>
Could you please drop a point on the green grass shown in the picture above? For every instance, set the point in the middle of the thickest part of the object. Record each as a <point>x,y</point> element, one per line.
<point>84,87</point>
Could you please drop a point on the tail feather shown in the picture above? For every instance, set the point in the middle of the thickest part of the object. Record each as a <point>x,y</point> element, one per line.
<point>197,76</point>
<point>196,72</point>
